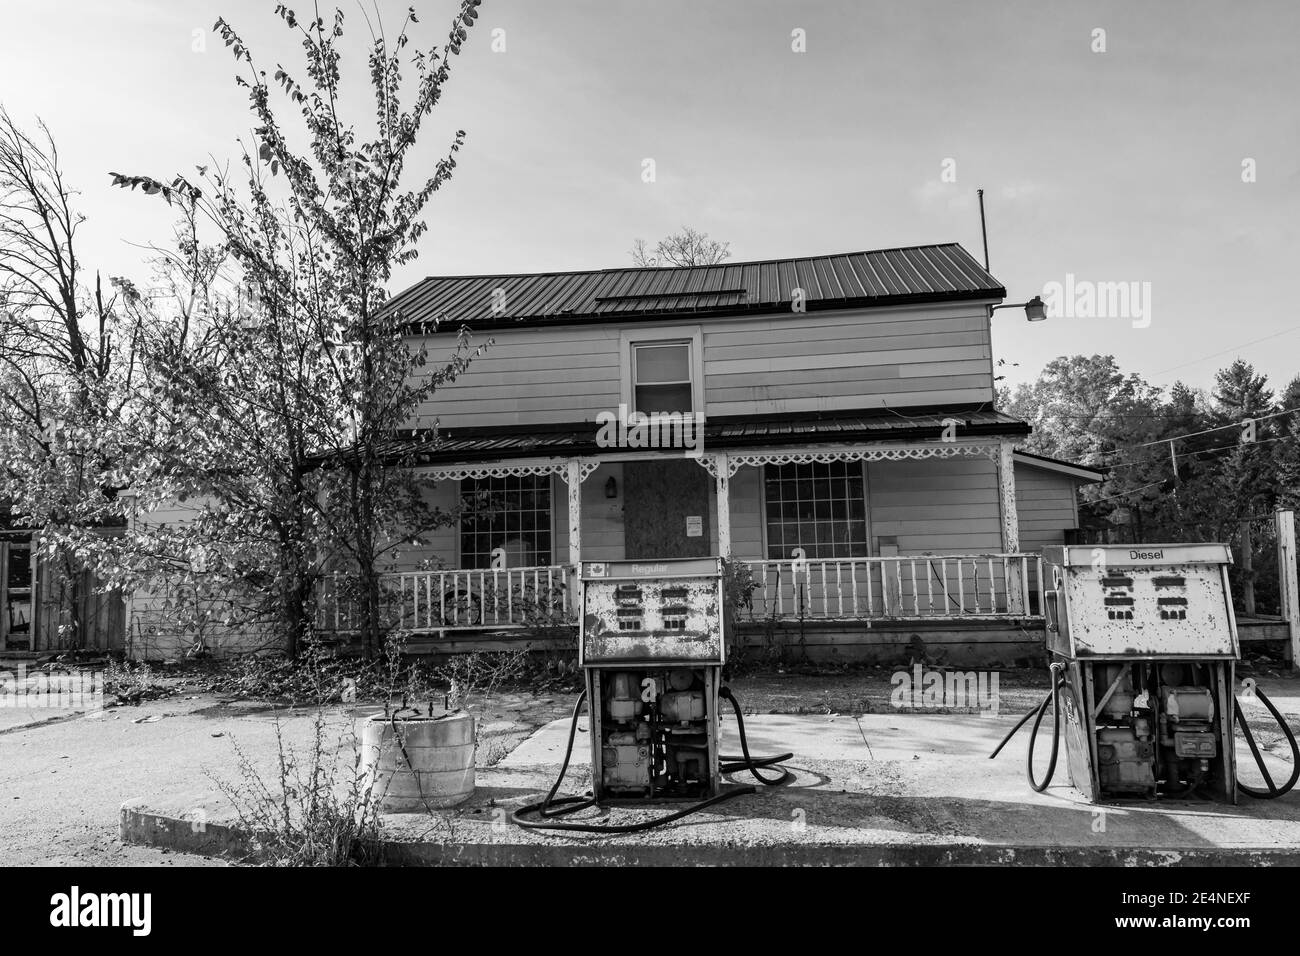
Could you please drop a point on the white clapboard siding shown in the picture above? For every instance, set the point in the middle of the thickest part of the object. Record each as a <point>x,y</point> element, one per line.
<point>602,518</point>
<point>747,520</point>
<point>936,504</point>
<point>788,362</point>
<point>1047,505</point>
<point>154,631</point>
<point>528,376</point>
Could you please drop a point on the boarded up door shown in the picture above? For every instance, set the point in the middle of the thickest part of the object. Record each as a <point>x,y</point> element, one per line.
<point>76,614</point>
<point>663,501</point>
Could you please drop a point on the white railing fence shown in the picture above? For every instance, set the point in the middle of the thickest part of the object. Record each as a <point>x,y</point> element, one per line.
<point>921,587</point>
<point>945,586</point>
<point>475,599</point>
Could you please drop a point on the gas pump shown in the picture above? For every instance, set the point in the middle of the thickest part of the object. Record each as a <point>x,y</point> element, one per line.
<point>1143,643</point>
<point>652,643</point>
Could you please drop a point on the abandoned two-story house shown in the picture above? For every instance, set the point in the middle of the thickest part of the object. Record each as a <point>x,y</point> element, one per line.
<point>832,431</point>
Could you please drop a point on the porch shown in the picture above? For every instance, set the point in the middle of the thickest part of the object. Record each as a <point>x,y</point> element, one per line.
<point>851,535</point>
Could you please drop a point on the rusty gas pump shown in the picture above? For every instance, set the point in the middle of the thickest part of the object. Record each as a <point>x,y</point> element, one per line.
<point>1142,644</point>
<point>652,643</point>
<point>652,646</point>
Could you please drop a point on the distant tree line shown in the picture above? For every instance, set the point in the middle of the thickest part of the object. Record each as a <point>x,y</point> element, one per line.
<point>1183,464</point>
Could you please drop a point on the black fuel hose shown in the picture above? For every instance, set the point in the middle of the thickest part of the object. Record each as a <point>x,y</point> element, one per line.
<point>1038,713</point>
<point>552,807</point>
<point>1052,698</point>
<point>1273,791</point>
<point>729,763</point>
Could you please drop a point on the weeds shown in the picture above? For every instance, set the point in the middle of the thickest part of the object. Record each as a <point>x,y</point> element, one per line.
<point>133,683</point>
<point>326,810</point>
<point>479,674</point>
<point>319,677</point>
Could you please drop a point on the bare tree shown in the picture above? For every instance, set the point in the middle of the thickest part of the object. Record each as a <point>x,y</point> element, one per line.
<point>685,248</point>
<point>57,357</point>
<point>40,273</point>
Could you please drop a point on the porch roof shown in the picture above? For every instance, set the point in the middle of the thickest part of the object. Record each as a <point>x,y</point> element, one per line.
<point>733,432</point>
<point>1072,469</point>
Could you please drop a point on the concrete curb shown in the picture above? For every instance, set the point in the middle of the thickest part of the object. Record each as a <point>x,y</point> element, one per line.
<point>143,827</point>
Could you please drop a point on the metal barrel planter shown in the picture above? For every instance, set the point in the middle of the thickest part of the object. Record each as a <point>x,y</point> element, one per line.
<point>419,763</point>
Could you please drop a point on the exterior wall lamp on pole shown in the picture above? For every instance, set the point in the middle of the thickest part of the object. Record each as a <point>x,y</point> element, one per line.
<point>1035,308</point>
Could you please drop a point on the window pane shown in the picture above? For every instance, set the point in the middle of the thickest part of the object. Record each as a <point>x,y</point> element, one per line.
<point>513,513</point>
<point>817,507</point>
<point>663,398</point>
<point>662,363</point>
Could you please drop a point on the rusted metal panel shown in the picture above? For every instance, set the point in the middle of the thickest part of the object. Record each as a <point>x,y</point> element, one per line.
<point>652,611</point>
<point>1149,600</point>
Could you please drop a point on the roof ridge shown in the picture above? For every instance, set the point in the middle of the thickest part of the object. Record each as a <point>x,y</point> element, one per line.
<point>716,265</point>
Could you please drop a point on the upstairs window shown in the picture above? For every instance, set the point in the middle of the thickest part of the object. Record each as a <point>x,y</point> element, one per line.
<point>513,513</point>
<point>661,377</point>
<point>820,507</point>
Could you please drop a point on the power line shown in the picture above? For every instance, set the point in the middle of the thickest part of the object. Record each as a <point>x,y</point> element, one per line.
<point>1219,428</point>
<point>1203,451</point>
<point>1225,351</point>
<point>1122,494</point>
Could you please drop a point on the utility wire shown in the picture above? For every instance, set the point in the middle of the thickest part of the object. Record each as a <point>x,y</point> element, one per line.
<point>1219,428</point>
<point>1225,351</point>
<point>1124,494</point>
<point>1203,451</point>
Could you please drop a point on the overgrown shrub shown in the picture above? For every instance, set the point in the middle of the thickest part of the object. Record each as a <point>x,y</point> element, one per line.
<point>324,810</point>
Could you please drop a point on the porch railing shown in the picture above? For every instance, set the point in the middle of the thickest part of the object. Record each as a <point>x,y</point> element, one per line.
<point>913,587</point>
<point>928,587</point>
<point>474,599</point>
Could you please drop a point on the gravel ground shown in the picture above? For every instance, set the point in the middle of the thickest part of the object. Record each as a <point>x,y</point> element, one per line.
<point>63,779</point>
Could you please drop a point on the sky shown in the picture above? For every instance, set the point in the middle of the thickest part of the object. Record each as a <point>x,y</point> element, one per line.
<point>1152,143</point>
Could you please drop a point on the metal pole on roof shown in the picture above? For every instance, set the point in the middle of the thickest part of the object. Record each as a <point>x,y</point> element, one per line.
<point>984,230</point>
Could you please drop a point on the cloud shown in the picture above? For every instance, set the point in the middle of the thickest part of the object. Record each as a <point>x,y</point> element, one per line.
<point>936,195</point>
<point>1025,189</point>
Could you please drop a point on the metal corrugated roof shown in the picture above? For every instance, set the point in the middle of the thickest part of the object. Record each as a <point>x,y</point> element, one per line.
<point>914,273</point>
<point>507,442</point>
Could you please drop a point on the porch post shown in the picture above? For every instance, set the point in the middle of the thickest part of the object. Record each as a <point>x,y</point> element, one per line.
<point>574,479</point>
<point>723,484</point>
<point>1287,579</point>
<point>1010,525</point>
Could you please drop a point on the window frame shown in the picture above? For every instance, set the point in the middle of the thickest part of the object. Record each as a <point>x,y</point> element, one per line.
<point>866,512</point>
<point>689,335</point>
<point>460,524</point>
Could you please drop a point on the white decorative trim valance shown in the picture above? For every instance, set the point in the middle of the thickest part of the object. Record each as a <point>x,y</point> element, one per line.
<point>829,453</point>
<point>505,469</point>
<point>735,460</point>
